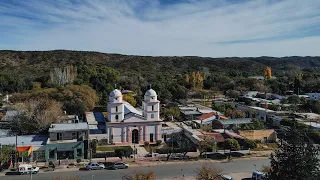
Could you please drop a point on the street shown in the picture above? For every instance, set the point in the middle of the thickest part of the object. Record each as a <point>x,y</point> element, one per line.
<point>162,171</point>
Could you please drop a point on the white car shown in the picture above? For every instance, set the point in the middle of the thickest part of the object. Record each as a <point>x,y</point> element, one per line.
<point>27,169</point>
<point>257,175</point>
<point>226,177</point>
<point>95,166</point>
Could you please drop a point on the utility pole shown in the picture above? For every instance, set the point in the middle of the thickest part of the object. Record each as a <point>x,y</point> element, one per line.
<point>16,154</point>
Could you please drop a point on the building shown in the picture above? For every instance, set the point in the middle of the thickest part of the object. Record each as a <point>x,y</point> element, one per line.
<point>266,135</point>
<point>127,125</point>
<point>314,95</point>
<point>67,141</point>
<point>229,123</point>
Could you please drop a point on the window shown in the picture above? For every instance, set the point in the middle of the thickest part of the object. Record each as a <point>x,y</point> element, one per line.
<point>117,117</point>
<point>152,108</point>
<point>151,137</point>
<point>59,136</point>
<point>116,108</point>
<point>152,116</point>
<point>74,135</point>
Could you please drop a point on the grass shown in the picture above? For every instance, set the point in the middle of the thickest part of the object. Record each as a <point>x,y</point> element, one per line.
<point>108,148</point>
<point>266,147</point>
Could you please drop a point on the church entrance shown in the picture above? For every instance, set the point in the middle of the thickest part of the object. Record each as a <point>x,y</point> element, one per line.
<point>135,136</point>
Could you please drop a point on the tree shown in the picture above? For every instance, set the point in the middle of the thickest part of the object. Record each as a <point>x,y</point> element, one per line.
<point>36,115</point>
<point>250,144</point>
<point>187,79</point>
<point>208,172</point>
<point>232,144</point>
<point>267,73</point>
<point>297,158</point>
<point>5,154</point>
<point>199,81</point>
<point>205,145</point>
<point>130,99</point>
<point>193,80</point>
<point>172,112</point>
<point>140,175</point>
<point>234,113</point>
<point>254,125</point>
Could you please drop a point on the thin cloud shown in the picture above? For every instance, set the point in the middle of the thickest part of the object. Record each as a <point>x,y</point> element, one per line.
<point>202,28</point>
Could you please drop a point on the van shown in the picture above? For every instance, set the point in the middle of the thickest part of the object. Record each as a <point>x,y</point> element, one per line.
<point>27,168</point>
<point>257,175</point>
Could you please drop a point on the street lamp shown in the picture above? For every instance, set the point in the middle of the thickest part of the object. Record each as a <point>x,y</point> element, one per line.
<point>22,154</point>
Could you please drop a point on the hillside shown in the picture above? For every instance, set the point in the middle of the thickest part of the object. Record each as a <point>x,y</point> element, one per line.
<point>37,63</point>
<point>101,71</point>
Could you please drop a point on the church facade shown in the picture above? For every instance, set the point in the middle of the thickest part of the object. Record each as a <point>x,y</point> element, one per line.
<point>128,125</point>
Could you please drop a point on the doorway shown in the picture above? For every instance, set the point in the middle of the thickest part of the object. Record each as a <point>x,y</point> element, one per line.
<point>135,136</point>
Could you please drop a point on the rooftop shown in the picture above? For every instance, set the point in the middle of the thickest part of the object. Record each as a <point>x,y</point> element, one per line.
<point>235,121</point>
<point>29,140</point>
<point>68,127</point>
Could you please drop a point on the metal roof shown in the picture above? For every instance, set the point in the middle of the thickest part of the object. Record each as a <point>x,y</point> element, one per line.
<point>128,108</point>
<point>235,121</point>
<point>29,140</point>
<point>68,127</point>
<point>99,117</point>
<point>192,112</point>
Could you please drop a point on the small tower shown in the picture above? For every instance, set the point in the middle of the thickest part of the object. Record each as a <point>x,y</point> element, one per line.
<point>151,105</point>
<point>115,107</point>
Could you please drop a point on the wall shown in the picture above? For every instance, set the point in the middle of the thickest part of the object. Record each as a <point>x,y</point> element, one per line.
<point>259,134</point>
<point>68,135</point>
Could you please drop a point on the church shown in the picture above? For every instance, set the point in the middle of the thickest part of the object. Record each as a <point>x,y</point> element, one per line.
<point>128,125</point>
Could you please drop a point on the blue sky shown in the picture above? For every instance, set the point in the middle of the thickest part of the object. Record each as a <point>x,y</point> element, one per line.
<point>214,28</point>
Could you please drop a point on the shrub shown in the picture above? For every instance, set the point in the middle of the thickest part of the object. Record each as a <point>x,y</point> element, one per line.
<point>124,151</point>
<point>232,144</point>
<point>104,154</point>
<point>78,160</point>
<point>250,144</point>
<point>158,142</point>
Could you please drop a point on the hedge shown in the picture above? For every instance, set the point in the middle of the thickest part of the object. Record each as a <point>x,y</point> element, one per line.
<point>104,154</point>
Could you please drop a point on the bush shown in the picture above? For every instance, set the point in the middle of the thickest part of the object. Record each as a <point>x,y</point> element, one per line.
<point>232,144</point>
<point>124,151</point>
<point>78,160</point>
<point>104,154</point>
<point>158,142</point>
<point>250,144</point>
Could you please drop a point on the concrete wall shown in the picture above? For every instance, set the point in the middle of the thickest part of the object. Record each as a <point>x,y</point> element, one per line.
<point>268,134</point>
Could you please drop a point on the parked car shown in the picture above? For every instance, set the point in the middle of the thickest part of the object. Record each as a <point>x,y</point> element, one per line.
<point>119,165</point>
<point>257,175</point>
<point>27,169</point>
<point>95,166</point>
<point>226,177</point>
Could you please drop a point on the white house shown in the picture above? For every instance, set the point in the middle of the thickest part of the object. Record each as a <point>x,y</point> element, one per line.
<point>127,125</point>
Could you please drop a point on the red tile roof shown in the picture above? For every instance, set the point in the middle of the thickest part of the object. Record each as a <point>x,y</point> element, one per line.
<point>207,115</point>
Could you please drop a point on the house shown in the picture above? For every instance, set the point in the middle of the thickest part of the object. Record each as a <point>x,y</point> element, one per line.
<point>67,141</point>
<point>127,125</point>
<point>229,123</point>
<point>33,144</point>
<point>266,135</point>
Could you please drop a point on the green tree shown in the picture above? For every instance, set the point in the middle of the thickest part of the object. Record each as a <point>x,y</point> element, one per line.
<point>297,158</point>
<point>205,145</point>
<point>5,154</point>
<point>232,144</point>
<point>171,112</point>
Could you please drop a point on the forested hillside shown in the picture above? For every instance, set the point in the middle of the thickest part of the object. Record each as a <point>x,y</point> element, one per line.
<point>21,69</point>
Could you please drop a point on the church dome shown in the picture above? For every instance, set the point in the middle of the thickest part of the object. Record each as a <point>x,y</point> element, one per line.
<point>115,93</point>
<point>150,92</point>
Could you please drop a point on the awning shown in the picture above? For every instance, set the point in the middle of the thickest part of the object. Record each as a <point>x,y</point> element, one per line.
<point>24,149</point>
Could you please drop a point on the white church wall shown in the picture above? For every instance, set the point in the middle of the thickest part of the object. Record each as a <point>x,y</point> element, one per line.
<point>117,134</point>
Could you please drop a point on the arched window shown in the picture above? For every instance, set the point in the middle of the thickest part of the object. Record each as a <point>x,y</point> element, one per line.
<point>152,107</point>
<point>116,108</point>
<point>117,117</point>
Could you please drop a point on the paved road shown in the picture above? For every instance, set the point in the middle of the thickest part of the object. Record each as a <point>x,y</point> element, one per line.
<point>162,171</point>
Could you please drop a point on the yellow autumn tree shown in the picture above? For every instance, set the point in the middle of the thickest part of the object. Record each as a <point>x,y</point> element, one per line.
<point>267,72</point>
<point>130,99</point>
<point>199,80</point>
<point>193,80</point>
<point>187,79</point>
